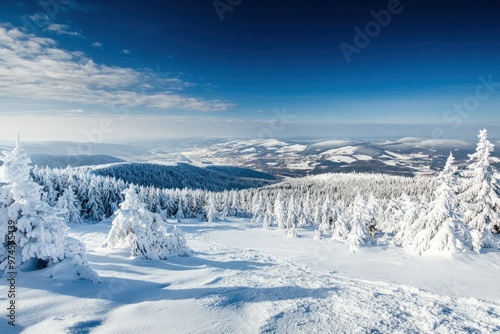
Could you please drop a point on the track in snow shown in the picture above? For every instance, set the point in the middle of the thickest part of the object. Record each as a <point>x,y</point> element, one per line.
<point>283,297</point>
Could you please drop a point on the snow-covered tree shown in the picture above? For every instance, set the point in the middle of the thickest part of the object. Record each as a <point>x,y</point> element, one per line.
<point>94,205</point>
<point>258,210</point>
<point>280,212</point>
<point>70,207</point>
<point>41,234</point>
<point>479,198</point>
<point>180,212</point>
<point>41,231</point>
<point>268,215</point>
<point>292,214</point>
<point>441,228</point>
<point>211,210</point>
<point>317,214</point>
<point>373,210</point>
<point>305,216</point>
<point>359,233</point>
<point>403,225</point>
<point>143,231</point>
<point>326,211</point>
<point>342,228</point>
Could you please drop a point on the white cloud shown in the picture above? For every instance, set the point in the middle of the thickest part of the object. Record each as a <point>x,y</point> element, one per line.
<point>96,45</point>
<point>40,19</point>
<point>62,29</point>
<point>35,68</point>
<point>126,52</point>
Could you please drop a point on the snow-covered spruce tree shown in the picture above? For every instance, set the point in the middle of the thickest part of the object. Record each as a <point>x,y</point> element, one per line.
<point>258,210</point>
<point>373,209</point>
<point>479,197</point>
<point>292,214</point>
<point>42,235</point>
<point>404,218</point>
<point>441,228</point>
<point>326,211</point>
<point>292,218</point>
<point>392,216</point>
<point>70,206</point>
<point>268,215</point>
<point>180,212</point>
<point>342,228</point>
<point>280,212</point>
<point>305,216</point>
<point>317,214</point>
<point>211,209</point>
<point>143,231</point>
<point>360,219</point>
<point>94,206</point>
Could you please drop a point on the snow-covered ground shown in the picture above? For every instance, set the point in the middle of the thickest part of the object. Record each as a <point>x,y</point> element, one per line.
<point>242,279</point>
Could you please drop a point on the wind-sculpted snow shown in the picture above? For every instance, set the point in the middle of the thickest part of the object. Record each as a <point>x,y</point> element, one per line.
<point>294,298</point>
<point>273,287</point>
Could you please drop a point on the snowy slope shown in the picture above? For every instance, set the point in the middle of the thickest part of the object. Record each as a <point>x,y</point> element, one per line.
<point>243,279</point>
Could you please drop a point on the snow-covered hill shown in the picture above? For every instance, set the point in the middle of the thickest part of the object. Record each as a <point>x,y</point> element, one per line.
<point>288,158</point>
<point>407,156</point>
<point>62,161</point>
<point>242,279</point>
<point>182,175</point>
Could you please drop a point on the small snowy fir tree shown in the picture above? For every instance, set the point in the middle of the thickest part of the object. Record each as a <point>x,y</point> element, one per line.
<point>373,210</point>
<point>359,234</point>
<point>441,228</point>
<point>280,212</point>
<point>479,198</point>
<point>292,214</point>
<point>258,210</point>
<point>305,216</point>
<point>41,232</point>
<point>342,228</point>
<point>317,214</point>
<point>268,215</point>
<point>180,212</point>
<point>211,209</point>
<point>404,217</point>
<point>70,206</point>
<point>143,231</point>
<point>326,211</point>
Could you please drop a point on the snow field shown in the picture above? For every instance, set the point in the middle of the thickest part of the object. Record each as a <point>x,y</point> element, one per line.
<point>242,279</point>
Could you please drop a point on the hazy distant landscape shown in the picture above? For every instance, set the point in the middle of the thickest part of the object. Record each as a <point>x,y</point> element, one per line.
<point>281,158</point>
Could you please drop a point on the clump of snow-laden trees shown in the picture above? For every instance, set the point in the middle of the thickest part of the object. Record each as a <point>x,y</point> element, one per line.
<point>144,232</point>
<point>41,235</point>
<point>479,193</point>
<point>461,212</point>
<point>456,211</point>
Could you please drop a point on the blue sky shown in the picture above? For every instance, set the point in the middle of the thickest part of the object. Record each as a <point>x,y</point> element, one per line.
<point>146,67</point>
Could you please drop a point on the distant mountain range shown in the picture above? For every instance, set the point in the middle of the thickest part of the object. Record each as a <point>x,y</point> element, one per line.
<point>281,158</point>
<point>407,156</point>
